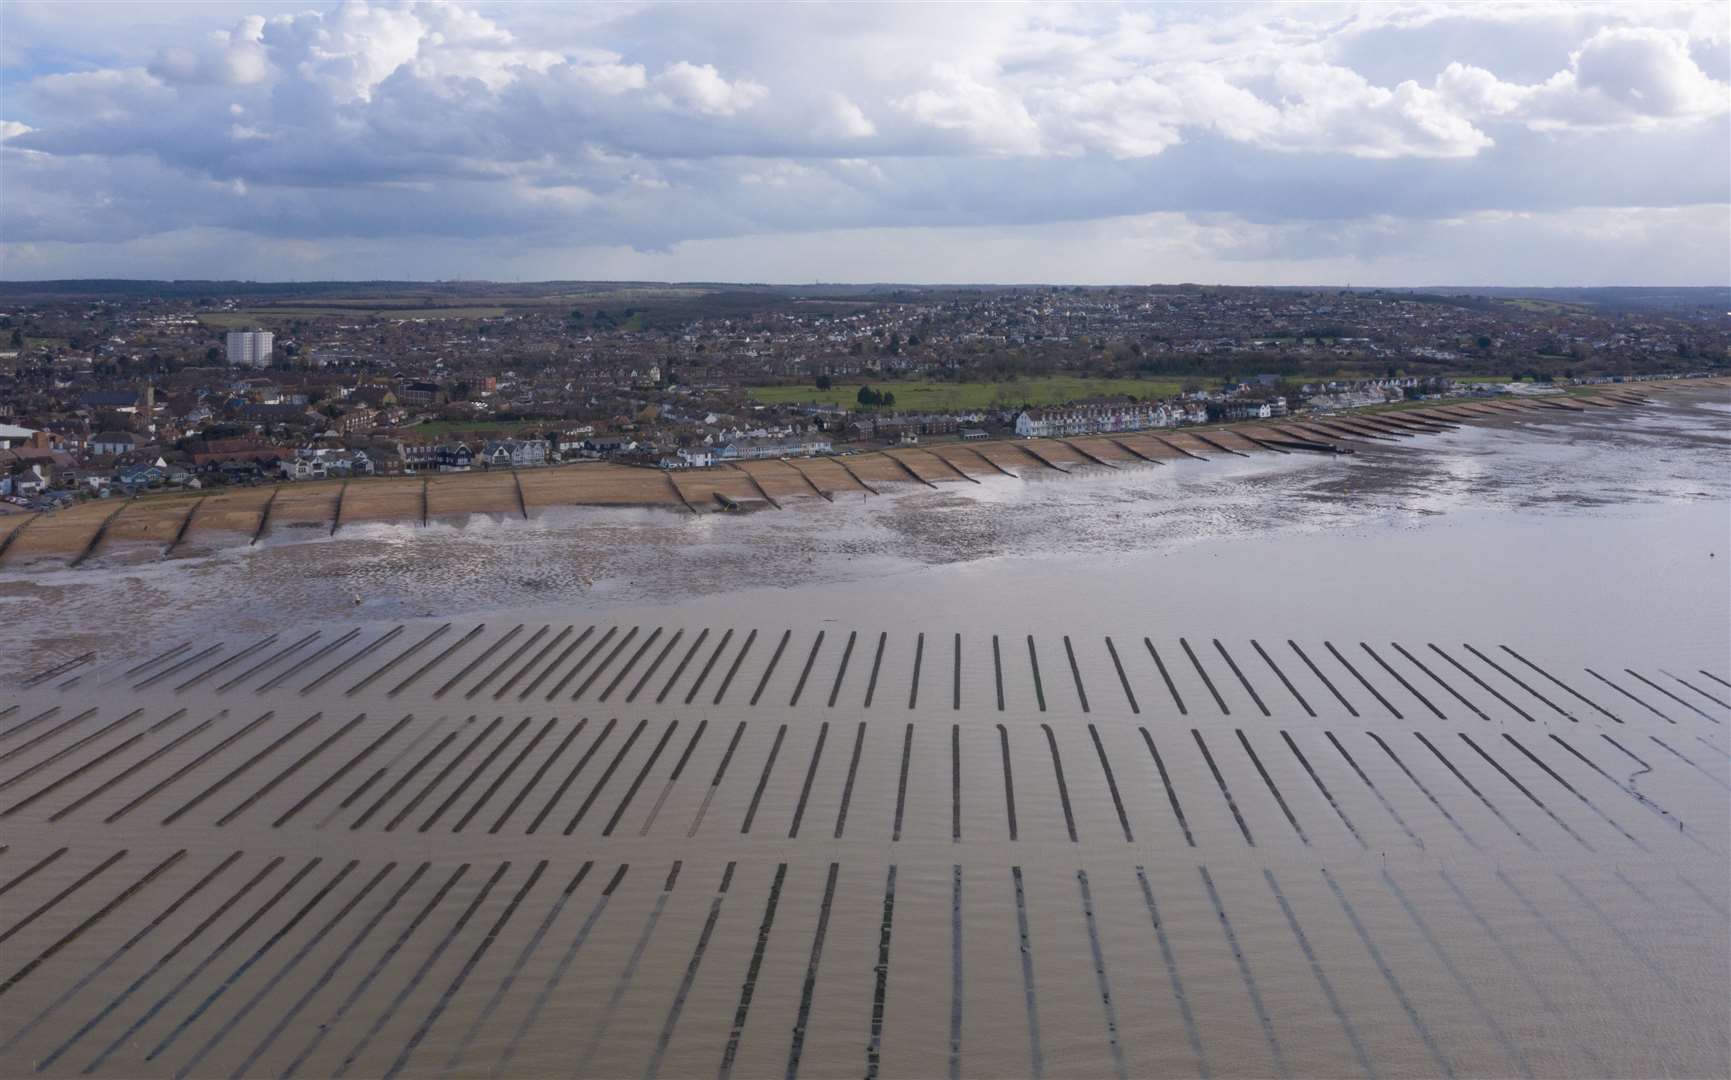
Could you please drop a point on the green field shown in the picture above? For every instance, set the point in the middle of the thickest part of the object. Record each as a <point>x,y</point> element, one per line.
<point>922,396</point>
<point>255,316</point>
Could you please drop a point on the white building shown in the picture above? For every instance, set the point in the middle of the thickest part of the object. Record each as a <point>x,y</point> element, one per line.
<point>1090,417</point>
<point>512,453</point>
<point>249,348</point>
<point>689,458</point>
<point>755,449</point>
<point>11,435</point>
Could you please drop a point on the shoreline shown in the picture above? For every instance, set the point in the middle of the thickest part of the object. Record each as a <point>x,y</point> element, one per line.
<point>170,520</point>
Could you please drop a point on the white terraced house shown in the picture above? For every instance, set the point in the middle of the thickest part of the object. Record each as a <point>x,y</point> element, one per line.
<point>1084,419</point>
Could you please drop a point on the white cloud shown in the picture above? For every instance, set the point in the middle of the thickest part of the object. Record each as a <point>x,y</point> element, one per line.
<point>1134,117</point>
<point>607,76</point>
<point>230,58</point>
<point>701,88</point>
<point>653,127</point>
<point>848,120</point>
<point>978,113</point>
<point>1621,78</point>
<point>1632,74</point>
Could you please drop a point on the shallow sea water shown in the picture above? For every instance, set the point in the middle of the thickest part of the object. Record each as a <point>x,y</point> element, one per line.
<point>1575,521</point>
<point>1142,817</point>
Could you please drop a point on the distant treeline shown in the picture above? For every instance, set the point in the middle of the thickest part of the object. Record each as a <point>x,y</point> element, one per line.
<point>1621,297</point>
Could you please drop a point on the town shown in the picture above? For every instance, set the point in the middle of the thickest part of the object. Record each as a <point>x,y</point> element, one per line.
<point>121,388</point>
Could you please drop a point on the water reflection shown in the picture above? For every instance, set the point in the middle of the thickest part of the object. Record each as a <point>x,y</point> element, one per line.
<point>1627,463</point>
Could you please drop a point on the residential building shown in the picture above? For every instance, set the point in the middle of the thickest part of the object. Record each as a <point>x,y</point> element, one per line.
<point>119,401</point>
<point>420,394</point>
<point>11,435</point>
<point>454,457</point>
<point>419,457</point>
<point>751,450</point>
<point>113,443</point>
<point>250,348</point>
<point>1089,417</point>
<point>515,454</point>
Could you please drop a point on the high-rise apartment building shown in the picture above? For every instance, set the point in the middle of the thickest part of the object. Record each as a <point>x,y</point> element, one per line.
<point>249,348</point>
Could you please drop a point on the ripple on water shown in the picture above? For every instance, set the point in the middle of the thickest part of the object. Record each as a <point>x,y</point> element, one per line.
<point>1596,464</point>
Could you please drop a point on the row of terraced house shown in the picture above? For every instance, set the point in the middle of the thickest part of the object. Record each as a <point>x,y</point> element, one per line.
<point>1089,417</point>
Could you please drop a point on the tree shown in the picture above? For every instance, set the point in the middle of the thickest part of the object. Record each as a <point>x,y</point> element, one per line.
<point>211,354</point>
<point>868,397</point>
<point>823,382</point>
<point>887,400</point>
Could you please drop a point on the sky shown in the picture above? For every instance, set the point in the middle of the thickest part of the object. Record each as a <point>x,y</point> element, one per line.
<point>1385,144</point>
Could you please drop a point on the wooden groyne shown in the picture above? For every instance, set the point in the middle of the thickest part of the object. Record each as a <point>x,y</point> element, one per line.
<point>1039,457</point>
<point>337,515</point>
<point>101,531</point>
<point>185,523</point>
<point>1170,445</point>
<point>987,459</point>
<point>680,495</point>
<point>755,484</point>
<point>1311,445</point>
<point>815,490</point>
<point>74,534</point>
<point>1216,444</point>
<point>517,483</point>
<point>264,514</point>
<point>950,465</point>
<point>1131,450</point>
<point>906,468</point>
<point>1095,458</point>
<point>12,537</point>
<point>856,477</point>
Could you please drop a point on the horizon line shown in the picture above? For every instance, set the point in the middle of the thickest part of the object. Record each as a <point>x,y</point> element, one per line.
<point>6,281</point>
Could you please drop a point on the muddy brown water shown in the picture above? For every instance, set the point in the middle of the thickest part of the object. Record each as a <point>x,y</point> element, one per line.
<point>1424,777</point>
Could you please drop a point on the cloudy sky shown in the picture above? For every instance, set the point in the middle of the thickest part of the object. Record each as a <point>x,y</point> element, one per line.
<point>1384,144</point>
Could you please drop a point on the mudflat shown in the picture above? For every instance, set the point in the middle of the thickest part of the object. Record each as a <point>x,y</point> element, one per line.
<point>1412,761</point>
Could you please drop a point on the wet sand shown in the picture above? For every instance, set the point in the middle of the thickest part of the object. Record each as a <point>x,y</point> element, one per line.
<point>1398,765</point>
<point>223,517</point>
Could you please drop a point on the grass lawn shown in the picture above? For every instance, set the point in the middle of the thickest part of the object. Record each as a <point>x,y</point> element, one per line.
<point>253,319</point>
<point>287,313</point>
<point>922,396</point>
<point>479,312</point>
